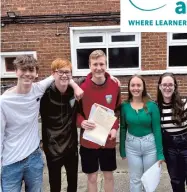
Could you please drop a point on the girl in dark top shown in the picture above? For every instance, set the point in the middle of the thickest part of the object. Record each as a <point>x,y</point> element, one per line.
<point>173,110</point>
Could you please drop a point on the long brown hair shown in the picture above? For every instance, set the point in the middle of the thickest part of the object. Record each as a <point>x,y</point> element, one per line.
<point>145,96</point>
<point>176,100</point>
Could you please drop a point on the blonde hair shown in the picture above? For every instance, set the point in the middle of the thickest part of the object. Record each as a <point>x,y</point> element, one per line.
<point>60,63</point>
<point>96,54</point>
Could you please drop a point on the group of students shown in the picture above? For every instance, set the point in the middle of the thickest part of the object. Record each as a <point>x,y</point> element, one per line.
<point>65,105</point>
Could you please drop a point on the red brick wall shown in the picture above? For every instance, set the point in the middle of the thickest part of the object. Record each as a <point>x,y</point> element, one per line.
<point>42,7</point>
<point>42,39</point>
<point>154,51</point>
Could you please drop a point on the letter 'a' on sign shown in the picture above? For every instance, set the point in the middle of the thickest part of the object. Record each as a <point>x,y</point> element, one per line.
<point>153,16</point>
<point>181,7</point>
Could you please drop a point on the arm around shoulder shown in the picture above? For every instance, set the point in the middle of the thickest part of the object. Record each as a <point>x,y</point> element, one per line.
<point>45,83</point>
<point>78,92</point>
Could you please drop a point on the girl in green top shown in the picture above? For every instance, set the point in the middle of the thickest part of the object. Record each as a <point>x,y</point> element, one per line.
<point>140,132</point>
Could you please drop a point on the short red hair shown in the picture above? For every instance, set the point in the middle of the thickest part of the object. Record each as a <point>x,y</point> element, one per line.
<point>61,63</point>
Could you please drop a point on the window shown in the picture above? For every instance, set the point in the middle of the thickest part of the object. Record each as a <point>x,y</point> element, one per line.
<point>9,64</point>
<point>122,49</point>
<point>177,50</point>
<point>7,58</point>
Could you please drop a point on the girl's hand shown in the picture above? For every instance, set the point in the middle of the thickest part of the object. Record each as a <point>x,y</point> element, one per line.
<point>160,162</point>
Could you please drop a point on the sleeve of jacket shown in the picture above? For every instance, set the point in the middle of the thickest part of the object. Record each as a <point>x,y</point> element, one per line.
<point>80,114</point>
<point>157,130</point>
<point>43,103</point>
<point>123,131</point>
<point>117,109</point>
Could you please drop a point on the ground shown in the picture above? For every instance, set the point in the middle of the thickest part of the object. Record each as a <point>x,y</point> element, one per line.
<point>120,175</point>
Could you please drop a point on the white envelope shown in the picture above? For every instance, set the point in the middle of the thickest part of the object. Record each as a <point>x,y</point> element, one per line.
<point>151,178</point>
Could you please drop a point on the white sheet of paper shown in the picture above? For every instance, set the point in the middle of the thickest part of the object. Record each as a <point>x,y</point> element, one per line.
<point>151,178</point>
<point>104,119</point>
<point>92,135</point>
<point>94,106</point>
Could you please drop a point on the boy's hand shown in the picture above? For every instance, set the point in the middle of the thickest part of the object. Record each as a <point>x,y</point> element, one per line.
<point>112,134</point>
<point>87,124</point>
<point>78,92</point>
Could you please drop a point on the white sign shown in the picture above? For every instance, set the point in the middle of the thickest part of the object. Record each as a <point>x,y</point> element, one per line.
<point>153,15</point>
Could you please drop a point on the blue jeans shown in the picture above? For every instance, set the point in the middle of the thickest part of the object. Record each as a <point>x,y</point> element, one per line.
<point>175,151</point>
<point>30,170</point>
<point>141,155</point>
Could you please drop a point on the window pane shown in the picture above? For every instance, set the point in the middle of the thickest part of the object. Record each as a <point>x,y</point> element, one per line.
<point>177,56</point>
<point>9,64</point>
<point>119,38</point>
<point>83,57</point>
<point>177,36</point>
<point>124,57</point>
<point>93,39</point>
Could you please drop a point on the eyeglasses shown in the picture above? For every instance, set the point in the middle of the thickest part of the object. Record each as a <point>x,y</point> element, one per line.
<point>164,85</point>
<point>61,72</point>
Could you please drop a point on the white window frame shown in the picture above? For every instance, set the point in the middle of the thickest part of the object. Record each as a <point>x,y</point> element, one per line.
<point>90,35</point>
<point>10,74</point>
<point>123,43</point>
<point>106,31</point>
<point>177,42</point>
